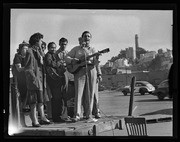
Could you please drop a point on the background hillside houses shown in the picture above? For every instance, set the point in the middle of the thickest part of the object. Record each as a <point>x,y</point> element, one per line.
<point>146,65</point>
<point>149,61</point>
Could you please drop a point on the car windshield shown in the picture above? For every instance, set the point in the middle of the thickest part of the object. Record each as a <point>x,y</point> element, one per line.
<point>149,85</point>
<point>142,82</point>
<point>164,83</point>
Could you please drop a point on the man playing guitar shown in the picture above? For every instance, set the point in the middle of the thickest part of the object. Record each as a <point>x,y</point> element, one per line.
<point>85,78</point>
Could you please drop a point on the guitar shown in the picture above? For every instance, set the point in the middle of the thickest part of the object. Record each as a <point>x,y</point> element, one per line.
<point>75,68</point>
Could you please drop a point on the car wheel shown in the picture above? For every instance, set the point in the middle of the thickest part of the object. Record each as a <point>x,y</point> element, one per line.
<point>142,92</point>
<point>160,95</point>
<point>125,93</point>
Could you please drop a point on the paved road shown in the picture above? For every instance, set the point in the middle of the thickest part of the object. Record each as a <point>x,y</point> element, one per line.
<point>115,103</point>
<point>148,106</point>
<point>156,129</point>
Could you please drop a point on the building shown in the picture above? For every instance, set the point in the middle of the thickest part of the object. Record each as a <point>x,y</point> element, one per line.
<point>168,54</point>
<point>130,53</point>
<point>160,51</point>
<point>168,60</point>
<point>108,64</point>
<point>166,65</point>
<point>147,56</point>
<point>119,63</point>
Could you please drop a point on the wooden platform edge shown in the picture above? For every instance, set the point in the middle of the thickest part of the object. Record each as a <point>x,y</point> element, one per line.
<point>93,129</point>
<point>107,126</point>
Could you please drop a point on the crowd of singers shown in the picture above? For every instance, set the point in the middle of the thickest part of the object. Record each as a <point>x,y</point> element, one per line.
<point>41,91</point>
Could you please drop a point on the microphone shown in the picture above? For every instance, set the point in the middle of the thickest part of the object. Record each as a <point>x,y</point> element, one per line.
<point>83,44</point>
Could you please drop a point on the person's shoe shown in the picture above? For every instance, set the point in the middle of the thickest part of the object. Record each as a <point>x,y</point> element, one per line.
<point>97,116</point>
<point>43,122</point>
<point>77,118</point>
<point>91,120</point>
<point>66,119</point>
<point>85,117</point>
<point>35,125</point>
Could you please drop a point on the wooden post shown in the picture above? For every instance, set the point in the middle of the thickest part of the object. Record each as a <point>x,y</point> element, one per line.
<point>14,112</point>
<point>126,75</point>
<point>131,95</point>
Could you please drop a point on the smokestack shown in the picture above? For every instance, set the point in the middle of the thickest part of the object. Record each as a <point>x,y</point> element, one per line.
<point>136,45</point>
<point>136,41</point>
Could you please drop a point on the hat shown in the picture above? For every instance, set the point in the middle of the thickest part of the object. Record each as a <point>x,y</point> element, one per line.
<point>24,43</point>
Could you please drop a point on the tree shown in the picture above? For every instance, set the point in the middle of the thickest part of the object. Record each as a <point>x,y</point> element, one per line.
<point>156,63</point>
<point>122,54</point>
<point>136,61</point>
<point>139,51</point>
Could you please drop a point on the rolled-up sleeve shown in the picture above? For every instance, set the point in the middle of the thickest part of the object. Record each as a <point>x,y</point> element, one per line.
<point>70,55</point>
<point>96,62</point>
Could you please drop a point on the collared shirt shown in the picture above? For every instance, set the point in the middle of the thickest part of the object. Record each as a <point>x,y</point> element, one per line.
<point>62,54</point>
<point>79,51</point>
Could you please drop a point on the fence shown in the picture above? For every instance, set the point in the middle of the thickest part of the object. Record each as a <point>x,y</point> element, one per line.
<point>121,80</point>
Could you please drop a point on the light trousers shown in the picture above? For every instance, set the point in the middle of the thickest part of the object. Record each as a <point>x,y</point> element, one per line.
<point>85,84</point>
<point>96,110</point>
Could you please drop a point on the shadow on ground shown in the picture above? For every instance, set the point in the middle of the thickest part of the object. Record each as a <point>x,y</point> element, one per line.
<point>153,100</point>
<point>162,111</point>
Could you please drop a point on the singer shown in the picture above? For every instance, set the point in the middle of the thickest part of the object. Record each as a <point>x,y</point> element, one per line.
<point>86,78</point>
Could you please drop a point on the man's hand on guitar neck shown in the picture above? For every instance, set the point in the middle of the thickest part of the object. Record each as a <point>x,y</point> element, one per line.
<point>97,56</point>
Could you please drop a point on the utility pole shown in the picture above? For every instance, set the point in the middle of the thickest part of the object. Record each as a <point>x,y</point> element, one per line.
<point>131,95</point>
<point>126,74</point>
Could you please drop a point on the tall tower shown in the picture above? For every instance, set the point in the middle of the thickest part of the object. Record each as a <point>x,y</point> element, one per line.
<point>136,45</point>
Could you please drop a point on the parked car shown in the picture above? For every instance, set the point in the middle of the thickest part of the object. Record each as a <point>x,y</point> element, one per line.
<point>141,87</point>
<point>162,90</point>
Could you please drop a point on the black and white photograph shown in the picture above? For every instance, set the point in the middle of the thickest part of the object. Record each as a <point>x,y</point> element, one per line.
<point>91,72</point>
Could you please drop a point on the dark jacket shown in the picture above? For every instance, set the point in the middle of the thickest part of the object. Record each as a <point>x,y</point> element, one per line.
<point>18,59</point>
<point>33,69</point>
<point>51,60</point>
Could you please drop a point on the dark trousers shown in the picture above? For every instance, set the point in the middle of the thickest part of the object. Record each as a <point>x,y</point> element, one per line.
<point>57,100</point>
<point>70,98</point>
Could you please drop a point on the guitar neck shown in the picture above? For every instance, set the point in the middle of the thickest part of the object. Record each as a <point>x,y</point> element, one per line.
<point>90,56</point>
<point>95,54</point>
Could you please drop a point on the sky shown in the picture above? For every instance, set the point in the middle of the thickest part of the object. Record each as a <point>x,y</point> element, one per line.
<point>113,29</point>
